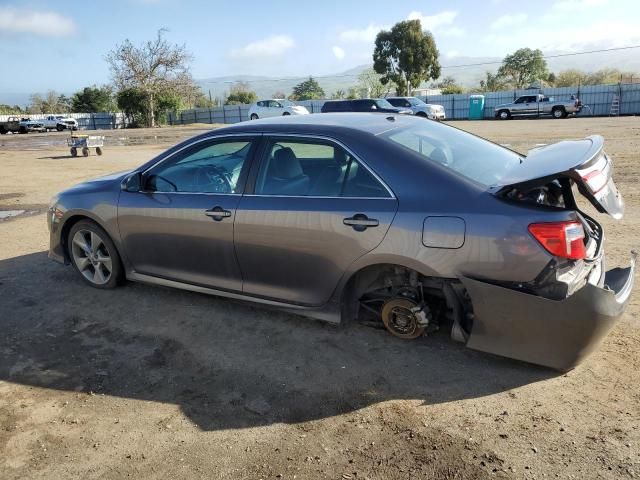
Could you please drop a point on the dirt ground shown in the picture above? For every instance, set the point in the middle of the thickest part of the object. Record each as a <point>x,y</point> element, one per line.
<point>149,382</point>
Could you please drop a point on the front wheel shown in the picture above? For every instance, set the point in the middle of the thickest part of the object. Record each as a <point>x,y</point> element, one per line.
<point>285,114</point>
<point>504,115</point>
<point>85,152</point>
<point>558,112</point>
<point>94,255</point>
<point>98,151</point>
<point>73,151</point>
<point>59,128</point>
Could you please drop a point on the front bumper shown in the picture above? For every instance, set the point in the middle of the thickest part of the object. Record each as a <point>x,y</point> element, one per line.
<point>554,333</point>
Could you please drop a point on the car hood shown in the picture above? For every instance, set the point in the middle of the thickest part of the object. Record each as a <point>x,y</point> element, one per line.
<point>583,161</point>
<point>99,183</point>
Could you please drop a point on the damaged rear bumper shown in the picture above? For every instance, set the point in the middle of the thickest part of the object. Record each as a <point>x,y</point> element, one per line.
<point>554,333</point>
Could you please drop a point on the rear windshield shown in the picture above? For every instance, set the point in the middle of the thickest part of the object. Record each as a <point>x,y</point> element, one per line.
<point>472,157</point>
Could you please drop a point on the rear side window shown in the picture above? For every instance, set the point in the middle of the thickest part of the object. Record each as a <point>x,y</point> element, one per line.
<point>337,107</point>
<point>315,168</point>
<point>472,157</point>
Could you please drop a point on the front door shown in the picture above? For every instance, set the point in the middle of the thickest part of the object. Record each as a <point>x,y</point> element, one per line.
<point>313,211</point>
<point>180,225</point>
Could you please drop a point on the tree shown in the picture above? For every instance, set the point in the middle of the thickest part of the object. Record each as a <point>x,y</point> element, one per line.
<point>93,99</point>
<point>133,102</point>
<point>338,94</point>
<point>523,67</point>
<point>449,86</point>
<point>9,110</point>
<point>279,94</point>
<point>155,68</point>
<point>239,93</point>
<point>492,82</point>
<point>370,81</point>
<point>406,56</point>
<point>352,93</point>
<point>310,89</point>
<point>51,102</point>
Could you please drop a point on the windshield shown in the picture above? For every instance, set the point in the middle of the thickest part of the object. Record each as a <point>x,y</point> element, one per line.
<point>472,157</point>
<point>382,103</point>
<point>416,102</point>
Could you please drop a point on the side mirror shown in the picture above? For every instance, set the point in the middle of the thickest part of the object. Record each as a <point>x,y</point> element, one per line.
<point>133,183</point>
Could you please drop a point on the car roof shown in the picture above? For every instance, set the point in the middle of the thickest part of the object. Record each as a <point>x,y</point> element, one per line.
<point>324,123</point>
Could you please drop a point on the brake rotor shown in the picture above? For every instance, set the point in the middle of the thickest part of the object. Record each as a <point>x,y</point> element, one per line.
<point>403,318</point>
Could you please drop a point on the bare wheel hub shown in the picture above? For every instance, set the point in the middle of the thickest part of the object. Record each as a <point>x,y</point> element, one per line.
<point>404,318</point>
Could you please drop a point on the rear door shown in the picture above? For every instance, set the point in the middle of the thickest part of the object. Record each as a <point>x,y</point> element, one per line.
<point>312,210</point>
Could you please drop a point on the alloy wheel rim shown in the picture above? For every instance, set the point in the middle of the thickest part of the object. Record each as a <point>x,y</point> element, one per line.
<point>91,256</point>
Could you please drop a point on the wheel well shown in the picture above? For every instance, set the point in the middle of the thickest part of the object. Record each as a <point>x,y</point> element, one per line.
<point>421,114</point>
<point>68,225</point>
<point>451,292</point>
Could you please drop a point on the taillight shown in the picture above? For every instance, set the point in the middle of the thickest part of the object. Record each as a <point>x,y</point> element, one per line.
<point>562,239</point>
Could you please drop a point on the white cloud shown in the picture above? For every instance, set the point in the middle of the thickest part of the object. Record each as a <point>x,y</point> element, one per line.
<point>34,22</point>
<point>452,54</point>
<point>273,46</point>
<point>509,21</point>
<point>441,22</point>
<point>608,34</point>
<point>367,34</point>
<point>433,22</point>
<point>338,52</point>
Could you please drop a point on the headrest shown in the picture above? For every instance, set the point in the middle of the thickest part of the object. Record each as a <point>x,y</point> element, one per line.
<point>285,164</point>
<point>340,157</point>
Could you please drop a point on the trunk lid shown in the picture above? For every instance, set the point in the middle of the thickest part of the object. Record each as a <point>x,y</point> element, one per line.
<point>583,161</point>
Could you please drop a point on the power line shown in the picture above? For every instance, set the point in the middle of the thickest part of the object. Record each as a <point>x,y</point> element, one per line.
<point>352,75</point>
<point>548,56</point>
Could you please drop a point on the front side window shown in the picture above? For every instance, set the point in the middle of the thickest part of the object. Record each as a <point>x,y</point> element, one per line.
<point>316,168</point>
<point>215,166</point>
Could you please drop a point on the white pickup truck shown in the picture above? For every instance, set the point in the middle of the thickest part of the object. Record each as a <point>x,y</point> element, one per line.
<point>528,105</point>
<point>59,122</point>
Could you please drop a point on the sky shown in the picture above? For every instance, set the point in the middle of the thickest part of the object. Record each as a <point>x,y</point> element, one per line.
<point>61,44</point>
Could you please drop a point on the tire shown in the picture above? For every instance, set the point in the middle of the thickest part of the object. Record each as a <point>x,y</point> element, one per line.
<point>59,127</point>
<point>85,152</point>
<point>504,115</point>
<point>74,151</point>
<point>286,114</point>
<point>23,130</point>
<point>92,252</point>
<point>421,115</point>
<point>253,117</point>
<point>98,151</point>
<point>558,112</point>
<point>2,131</point>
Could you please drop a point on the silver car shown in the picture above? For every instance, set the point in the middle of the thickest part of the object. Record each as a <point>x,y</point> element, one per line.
<point>416,225</point>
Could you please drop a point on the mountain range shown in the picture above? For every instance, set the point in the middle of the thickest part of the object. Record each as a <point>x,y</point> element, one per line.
<point>467,71</point>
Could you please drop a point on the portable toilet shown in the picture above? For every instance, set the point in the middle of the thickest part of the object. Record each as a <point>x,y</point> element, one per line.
<point>476,107</point>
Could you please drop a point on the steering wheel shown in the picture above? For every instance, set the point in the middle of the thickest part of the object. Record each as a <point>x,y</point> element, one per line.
<point>216,175</point>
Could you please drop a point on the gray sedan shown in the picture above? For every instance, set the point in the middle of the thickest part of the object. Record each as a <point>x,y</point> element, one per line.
<point>386,218</point>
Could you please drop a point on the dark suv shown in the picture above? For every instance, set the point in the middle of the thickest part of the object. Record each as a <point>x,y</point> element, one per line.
<point>362,105</point>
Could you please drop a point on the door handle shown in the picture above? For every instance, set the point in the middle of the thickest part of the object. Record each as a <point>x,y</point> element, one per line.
<point>217,213</point>
<point>360,222</point>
